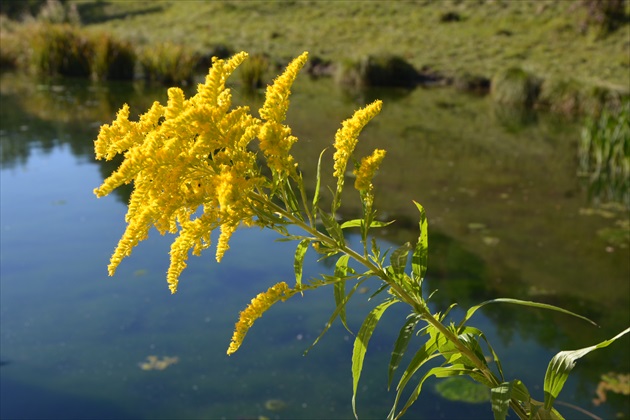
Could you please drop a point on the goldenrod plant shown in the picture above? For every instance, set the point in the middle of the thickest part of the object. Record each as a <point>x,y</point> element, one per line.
<point>200,165</point>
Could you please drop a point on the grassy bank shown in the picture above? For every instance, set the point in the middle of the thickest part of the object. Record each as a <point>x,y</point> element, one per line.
<point>549,38</point>
<point>572,48</point>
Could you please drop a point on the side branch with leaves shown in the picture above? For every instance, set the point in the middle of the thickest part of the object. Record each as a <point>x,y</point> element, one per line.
<point>198,165</point>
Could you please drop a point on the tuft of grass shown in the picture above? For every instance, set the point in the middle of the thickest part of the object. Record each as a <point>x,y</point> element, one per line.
<point>252,71</point>
<point>60,50</point>
<point>113,59</point>
<point>515,87</point>
<point>168,63</point>
<point>11,53</point>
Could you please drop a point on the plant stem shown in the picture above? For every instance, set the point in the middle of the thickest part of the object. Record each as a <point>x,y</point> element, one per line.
<point>418,307</point>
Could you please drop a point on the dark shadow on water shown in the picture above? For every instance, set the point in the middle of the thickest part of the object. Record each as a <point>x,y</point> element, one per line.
<point>21,401</point>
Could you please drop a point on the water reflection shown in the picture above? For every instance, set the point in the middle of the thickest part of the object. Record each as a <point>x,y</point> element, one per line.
<point>504,211</point>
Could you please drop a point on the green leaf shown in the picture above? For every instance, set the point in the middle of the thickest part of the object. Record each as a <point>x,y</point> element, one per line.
<point>425,353</point>
<point>361,343</point>
<point>400,346</point>
<point>479,333</point>
<point>500,397</point>
<point>398,259</point>
<point>340,307</point>
<point>298,262</point>
<point>562,363</point>
<point>291,200</point>
<point>421,251</point>
<point>341,270</point>
<point>302,191</point>
<point>317,183</point>
<point>332,227</point>
<point>472,310</point>
<point>438,372</point>
<point>358,223</point>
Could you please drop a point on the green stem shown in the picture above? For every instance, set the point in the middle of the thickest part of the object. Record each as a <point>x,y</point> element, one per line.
<point>418,307</point>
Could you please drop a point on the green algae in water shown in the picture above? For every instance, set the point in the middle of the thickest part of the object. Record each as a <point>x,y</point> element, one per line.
<point>463,390</point>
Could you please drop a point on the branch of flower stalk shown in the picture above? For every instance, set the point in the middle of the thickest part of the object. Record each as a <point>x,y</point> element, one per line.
<point>418,307</point>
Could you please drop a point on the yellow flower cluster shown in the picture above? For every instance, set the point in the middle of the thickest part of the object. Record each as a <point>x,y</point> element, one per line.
<point>189,155</point>
<point>195,154</point>
<point>368,167</point>
<point>346,137</point>
<point>255,310</point>
<point>275,138</point>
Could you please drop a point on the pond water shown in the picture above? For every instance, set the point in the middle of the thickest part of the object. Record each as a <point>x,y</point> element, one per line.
<point>507,217</point>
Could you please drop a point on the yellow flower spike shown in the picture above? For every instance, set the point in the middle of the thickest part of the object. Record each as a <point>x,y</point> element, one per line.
<point>277,95</point>
<point>214,85</point>
<point>347,136</point>
<point>255,310</point>
<point>368,167</point>
<point>227,230</point>
<point>275,138</point>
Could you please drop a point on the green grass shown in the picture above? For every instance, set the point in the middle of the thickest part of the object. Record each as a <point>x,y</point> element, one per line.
<point>547,38</point>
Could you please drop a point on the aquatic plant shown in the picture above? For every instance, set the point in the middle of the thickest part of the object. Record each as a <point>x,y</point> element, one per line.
<point>604,155</point>
<point>200,165</point>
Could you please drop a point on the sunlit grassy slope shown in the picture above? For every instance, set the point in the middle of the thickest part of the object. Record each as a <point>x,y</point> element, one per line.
<point>548,38</point>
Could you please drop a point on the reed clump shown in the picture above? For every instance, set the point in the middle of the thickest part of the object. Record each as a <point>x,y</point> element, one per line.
<point>604,155</point>
<point>113,59</point>
<point>253,70</point>
<point>60,50</point>
<point>167,63</point>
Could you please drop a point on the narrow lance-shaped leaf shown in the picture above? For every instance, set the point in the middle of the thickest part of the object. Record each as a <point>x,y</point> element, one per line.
<point>478,332</point>
<point>425,353</point>
<point>500,397</point>
<point>302,191</point>
<point>357,223</point>
<point>472,310</point>
<point>562,363</point>
<point>421,251</point>
<point>335,313</point>
<point>361,343</point>
<point>341,270</point>
<point>298,263</point>
<point>438,372</point>
<point>400,346</point>
<point>398,259</point>
<point>332,227</point>
<point>317,183</point>
<point>291,200</point>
